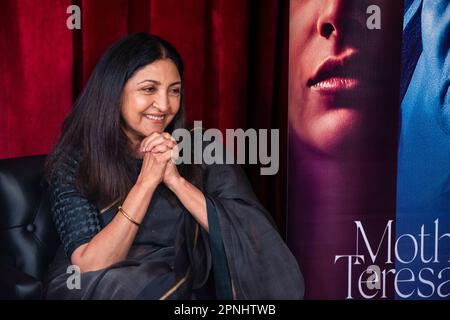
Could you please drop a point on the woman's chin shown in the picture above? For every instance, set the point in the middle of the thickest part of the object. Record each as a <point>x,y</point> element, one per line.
<point>335,133</point>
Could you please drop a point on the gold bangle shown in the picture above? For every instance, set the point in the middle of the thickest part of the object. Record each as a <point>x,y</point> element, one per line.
<point>128,217</point>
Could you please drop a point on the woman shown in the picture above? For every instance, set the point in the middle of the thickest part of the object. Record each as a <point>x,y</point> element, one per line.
<point>343,119</point>
<point>137,225</point>
<point>338,69</point>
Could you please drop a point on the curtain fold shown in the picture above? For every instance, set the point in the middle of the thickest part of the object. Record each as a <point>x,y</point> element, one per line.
<point>35,75</point>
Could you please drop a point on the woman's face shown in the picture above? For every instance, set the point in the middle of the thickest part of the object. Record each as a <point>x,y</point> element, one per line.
<point>151,99</point>
<point>335,70</point>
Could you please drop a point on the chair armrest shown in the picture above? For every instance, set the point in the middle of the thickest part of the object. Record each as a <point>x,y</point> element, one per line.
<point>16,284</point>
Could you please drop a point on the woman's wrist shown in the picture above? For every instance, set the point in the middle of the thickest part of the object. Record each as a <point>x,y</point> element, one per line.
<point>175,183</point>
<point>146,185</point>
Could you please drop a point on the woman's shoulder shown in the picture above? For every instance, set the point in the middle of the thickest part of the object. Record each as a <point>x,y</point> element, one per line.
<point>65,166</point>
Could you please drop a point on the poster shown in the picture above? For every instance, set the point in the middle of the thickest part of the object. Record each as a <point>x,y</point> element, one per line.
<point>369,148</point>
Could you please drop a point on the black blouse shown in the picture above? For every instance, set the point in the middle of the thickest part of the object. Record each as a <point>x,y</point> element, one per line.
<point>76,219</point>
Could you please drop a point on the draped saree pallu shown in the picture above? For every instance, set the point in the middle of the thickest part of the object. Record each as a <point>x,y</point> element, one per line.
<point>172,257</point>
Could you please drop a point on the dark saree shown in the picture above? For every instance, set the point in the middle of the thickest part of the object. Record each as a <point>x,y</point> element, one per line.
<point>172,257</point>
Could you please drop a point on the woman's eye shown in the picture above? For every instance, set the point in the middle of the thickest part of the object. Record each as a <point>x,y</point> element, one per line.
<point>149,89</point>
<point>175,91</point>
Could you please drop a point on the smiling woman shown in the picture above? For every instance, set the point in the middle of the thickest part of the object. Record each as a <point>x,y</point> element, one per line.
<point>137,225</point>
<point>157,85</point>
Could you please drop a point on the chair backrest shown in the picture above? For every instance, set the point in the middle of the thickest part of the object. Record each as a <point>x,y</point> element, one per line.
<point>28,239</point>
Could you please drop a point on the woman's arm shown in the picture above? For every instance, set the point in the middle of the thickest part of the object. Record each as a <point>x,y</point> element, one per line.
<point>189,195</point>
<point>113,242</point>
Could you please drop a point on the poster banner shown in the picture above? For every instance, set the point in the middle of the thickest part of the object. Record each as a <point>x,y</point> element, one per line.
<point>369,148</point>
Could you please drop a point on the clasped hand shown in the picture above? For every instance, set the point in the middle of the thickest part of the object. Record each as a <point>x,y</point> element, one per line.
<point>159,154</point>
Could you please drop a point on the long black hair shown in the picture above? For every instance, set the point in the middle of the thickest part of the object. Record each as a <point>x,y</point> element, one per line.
<point>93,130</point>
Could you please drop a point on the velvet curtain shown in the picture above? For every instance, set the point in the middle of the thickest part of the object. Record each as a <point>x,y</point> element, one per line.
<point>235,54</point>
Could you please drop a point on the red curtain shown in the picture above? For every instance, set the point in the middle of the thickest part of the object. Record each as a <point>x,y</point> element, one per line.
<point>235,53</point>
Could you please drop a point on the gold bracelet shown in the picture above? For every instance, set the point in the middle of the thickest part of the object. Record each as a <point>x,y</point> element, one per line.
<point>128,217</point>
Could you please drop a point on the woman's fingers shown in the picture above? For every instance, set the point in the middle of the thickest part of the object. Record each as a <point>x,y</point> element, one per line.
<point>160,148</point>
<point>174,142</point>
<point>154,143</point>
<point>152,169</point>
<point>163,156</point>
<point>150,143</point>
<point>175,153</point>
<point>147,140</point>
<point>166,135</point>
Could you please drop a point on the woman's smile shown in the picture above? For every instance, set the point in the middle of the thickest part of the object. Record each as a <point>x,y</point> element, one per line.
<point>155,118</point>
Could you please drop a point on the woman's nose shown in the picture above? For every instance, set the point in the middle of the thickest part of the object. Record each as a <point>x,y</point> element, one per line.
<point>162,102</point>
<point>329,23</point>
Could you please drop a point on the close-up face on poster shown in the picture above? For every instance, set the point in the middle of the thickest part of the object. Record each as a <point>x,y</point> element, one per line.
<point>369,147</point>
<point>212,151</point>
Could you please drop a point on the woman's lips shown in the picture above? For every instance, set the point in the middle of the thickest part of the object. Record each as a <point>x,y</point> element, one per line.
<point>335,85</point>
<point>336,74</point>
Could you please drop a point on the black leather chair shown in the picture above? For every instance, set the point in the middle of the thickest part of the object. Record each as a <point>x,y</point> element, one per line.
<point>28,239</point>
